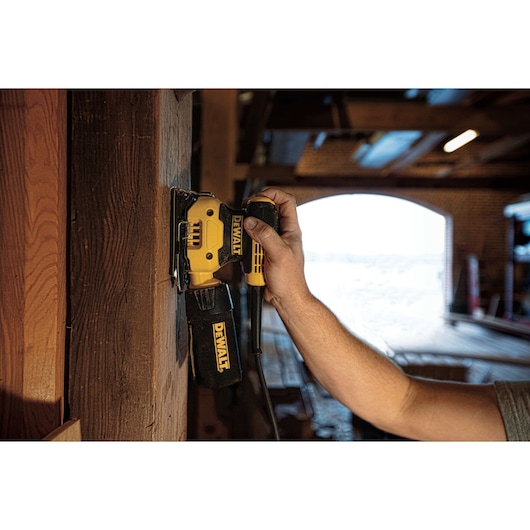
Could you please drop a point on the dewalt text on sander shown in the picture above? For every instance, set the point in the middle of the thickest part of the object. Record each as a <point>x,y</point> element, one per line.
<point>206,235</point>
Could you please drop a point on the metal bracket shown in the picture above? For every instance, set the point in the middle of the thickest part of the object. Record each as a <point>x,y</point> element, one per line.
<point>178,234</point>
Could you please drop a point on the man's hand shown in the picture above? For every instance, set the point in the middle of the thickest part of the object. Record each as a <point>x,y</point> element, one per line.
<point>361,378</point>
<point>284,257</point>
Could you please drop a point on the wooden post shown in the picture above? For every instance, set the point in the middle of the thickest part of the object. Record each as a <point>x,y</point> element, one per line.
<point>33,136</point>
<point>219,143</point>
<point>128,365</point>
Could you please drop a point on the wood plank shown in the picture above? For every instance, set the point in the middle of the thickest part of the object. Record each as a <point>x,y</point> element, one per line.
<point>128,360</point>
<point>334,158</point>
<point>171,375</point>
<point>492,151</point>
<point>219,136</point>
<point>271,362</point>
<point>303,116</point>
<point>488,372</point>
<point>33,135</point>
<point>69,432</point>
<point>426,144</point>
<point>453,119</point>
<point>370,116</point>
<point>289,176</point>
<point>292,374</point>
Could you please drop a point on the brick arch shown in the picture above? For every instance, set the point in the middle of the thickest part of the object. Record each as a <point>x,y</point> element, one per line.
<point>304,195</point>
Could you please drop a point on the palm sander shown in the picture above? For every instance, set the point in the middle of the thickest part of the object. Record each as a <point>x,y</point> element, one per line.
<point>206,235</point>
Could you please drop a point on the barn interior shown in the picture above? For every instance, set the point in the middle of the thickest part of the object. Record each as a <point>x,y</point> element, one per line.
<point>94,337</point>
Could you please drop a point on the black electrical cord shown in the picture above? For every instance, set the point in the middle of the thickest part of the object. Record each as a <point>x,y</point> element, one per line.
<point>256,304</point>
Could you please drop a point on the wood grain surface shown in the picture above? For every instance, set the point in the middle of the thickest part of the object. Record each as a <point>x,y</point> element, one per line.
<point>68,432</point>
<point>219,129</point>
<point>33,137</point>
<point>127,374</point>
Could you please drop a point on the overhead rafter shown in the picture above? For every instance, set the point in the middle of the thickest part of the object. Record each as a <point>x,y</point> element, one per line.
<point>494,150</point>
<point>402,116</point>
<point>335,157</point>
<point>284,175</point>
<point>452,119</point>
<point>426,144</point>
<point>319,133</point>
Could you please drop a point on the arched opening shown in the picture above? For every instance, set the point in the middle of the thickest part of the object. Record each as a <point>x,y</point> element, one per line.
<point>379,262</point>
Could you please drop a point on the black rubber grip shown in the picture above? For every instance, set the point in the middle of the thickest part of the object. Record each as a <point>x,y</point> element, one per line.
<point>266,211</point>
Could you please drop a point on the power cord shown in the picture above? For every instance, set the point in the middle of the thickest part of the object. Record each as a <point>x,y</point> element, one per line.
<point>256,304</point>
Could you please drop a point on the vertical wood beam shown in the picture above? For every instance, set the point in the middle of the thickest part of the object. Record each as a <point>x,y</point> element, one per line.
<point>128,365</point>
<point>170,379</point>
<point>33,136</point>
<point>219,132</point>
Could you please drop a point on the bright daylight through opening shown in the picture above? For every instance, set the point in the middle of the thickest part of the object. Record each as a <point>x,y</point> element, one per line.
<point>377,261</point>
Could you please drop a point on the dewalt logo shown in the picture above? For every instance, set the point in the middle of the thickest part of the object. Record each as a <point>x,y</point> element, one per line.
<point>221,347</point>
<point>237,231</point>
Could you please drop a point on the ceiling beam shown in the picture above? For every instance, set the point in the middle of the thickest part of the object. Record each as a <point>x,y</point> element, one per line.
<point>491,175</point>
<point>305,117</point>
<point>399,116</point>
<point>282,175</point>
<point>423,146</point>
<point>452,119</point>
<point>335,158</point>
<point>494,150</point>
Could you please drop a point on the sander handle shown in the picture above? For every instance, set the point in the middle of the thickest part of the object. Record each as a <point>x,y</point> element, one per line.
<point>265,209</point>
<point>253,257</point>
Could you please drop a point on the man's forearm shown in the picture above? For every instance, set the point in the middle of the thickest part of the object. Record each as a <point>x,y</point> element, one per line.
<point>377,390</point>
<point>365,381</point>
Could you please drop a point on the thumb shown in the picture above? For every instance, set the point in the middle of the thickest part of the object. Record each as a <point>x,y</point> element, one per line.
<point>261,232</point>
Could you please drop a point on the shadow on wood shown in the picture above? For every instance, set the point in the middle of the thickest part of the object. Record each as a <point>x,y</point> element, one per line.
<point>25,419</point>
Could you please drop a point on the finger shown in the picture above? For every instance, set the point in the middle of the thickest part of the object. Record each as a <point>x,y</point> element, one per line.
<point>286,207</point>
<point>264,234</point>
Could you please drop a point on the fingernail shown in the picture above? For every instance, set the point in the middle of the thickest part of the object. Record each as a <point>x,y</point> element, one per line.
<point>250,222</point>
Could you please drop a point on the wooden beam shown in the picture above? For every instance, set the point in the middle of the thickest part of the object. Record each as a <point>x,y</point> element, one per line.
<point>219,135</point>
<point>128,348</point>
<point>68,432</point>
<point>335,158</point>
<point>453,119</point>
<point>288,176</point>
<point>303,117</point>
<point>397,116</point>
<point>425,145</point>
<point>492,151</point>
<point>33,135</point>
<point>272,172</point>
<point>253,126</point>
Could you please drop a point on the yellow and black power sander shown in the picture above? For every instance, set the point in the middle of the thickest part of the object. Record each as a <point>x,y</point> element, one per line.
<point>206,235</point>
